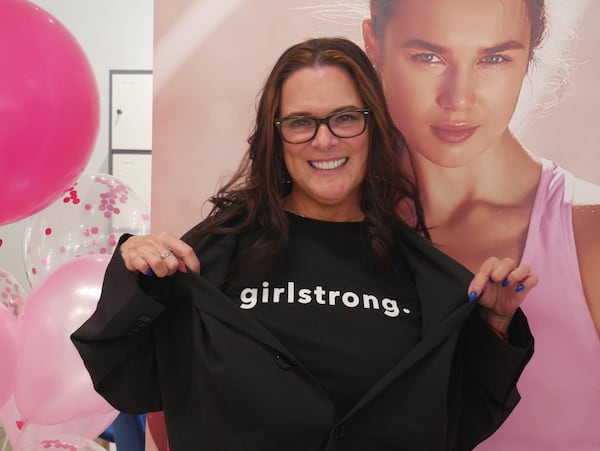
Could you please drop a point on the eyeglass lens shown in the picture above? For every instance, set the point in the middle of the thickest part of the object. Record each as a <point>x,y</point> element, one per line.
<point>345,124</point>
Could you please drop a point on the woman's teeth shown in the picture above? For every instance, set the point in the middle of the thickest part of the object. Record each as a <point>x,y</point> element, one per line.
<point>331,164</point>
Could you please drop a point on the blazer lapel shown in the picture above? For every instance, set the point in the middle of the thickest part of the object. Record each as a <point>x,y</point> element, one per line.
<point>441,281</point>
<point>442,285</point>
<point>217,254</point>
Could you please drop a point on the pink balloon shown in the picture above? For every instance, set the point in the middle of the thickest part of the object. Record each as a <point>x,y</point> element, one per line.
<point>8,353</point>
<point>23,434</point>
<point>49,109</point>
<point>52,384</point>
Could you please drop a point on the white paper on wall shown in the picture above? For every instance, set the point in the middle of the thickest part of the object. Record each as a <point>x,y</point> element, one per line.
<point>131,110</point>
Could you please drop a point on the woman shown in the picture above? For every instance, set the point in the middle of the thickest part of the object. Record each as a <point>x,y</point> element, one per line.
<point>321,321</point>
<point>452,73</point>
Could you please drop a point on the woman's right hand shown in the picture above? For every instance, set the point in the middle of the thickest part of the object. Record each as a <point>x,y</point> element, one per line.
<point>159,254</point>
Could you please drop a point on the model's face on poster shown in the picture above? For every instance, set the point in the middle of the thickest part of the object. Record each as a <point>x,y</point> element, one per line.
<point>452,72</point>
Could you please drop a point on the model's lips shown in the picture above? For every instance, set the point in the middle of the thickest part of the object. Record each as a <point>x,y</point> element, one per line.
<point>454,134</point>
<point>329,164</point>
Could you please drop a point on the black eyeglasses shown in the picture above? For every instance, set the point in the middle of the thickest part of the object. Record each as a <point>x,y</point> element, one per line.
<point>302,129</point>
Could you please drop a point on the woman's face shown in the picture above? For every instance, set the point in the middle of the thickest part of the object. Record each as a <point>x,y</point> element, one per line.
<point>452,72</point>
<point>327,171</point>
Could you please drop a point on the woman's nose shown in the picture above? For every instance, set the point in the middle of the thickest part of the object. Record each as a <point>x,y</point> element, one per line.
<point>457,91</point>
<point>324,137</point>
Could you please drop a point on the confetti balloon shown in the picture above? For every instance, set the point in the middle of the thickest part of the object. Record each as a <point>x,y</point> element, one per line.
<point>22,433</point>
<point>65,442</point>
<point>49,109</point>
<point>87,219</point>
<point>12,294</point>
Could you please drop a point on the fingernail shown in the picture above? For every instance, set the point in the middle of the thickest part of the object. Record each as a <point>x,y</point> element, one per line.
<point>472,296</point>
<point>520,287</point>
<point>149,272</point>
<point>505,283</point>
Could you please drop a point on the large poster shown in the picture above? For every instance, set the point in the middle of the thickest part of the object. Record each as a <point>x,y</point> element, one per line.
<point>211,60</point>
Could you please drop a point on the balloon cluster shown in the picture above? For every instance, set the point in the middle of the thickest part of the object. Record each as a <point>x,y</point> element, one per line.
<point>44,386</point>
<point>45,389</point>
<point>49,120</point>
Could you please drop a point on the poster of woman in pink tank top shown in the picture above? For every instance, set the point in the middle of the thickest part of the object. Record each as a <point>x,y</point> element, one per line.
<point>498,101</point>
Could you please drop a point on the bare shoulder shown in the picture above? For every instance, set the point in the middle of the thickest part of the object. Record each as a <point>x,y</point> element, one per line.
<point>586,210</point>
<point>586,225</point>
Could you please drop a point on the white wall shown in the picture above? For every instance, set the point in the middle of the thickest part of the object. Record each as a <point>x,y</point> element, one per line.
<point>114,34</point>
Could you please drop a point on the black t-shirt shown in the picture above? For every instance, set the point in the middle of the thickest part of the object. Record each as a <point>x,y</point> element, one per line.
<point>346,318</point>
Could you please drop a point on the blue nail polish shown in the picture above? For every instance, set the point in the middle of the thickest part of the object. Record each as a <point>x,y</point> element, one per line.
<point>520,287</point>
<point>505,283</point>
<point>149,272</point>
<point>472,296</point>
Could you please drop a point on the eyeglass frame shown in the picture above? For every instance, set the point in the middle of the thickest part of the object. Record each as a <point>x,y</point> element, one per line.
<point>323,120</point>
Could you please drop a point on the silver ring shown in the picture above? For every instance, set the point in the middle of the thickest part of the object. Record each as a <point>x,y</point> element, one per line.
<point>166,253</point>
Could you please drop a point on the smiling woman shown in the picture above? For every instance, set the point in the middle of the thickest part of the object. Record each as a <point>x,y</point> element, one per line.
<point>361,336</point>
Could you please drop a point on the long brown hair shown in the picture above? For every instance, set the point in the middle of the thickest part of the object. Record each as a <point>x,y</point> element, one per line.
<point>255,194</point>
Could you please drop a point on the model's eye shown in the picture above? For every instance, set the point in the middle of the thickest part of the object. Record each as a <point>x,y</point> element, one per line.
<point>427,58</point>
<point>495,59</point>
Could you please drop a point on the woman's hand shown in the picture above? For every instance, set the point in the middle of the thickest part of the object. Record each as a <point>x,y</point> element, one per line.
<point>159,254</point>
<point>501,286</point>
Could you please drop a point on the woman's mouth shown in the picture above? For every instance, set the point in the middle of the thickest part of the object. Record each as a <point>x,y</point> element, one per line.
<point>329,164</point>
<point>454,134</point>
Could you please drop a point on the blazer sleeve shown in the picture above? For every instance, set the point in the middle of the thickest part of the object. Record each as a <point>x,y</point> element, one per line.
<point>491,370</point>
<point>117,344</point>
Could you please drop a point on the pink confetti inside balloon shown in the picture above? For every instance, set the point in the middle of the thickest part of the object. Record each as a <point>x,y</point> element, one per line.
<point>66,230</point>
<point>64,442</point>
<point>12,294</point>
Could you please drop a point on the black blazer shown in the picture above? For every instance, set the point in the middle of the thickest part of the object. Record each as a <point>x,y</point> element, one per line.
<point>226,384</point>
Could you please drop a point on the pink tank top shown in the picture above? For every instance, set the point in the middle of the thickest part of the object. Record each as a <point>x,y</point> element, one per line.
<point>560,387</point>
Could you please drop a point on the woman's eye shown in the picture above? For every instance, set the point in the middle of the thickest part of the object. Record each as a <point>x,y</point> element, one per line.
<point>298,123</point>
<point>494,59</point>
<point>427,58</point>
<point>345,117</point>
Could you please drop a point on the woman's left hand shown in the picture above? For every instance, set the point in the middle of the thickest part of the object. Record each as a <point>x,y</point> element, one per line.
<point>500,286</point>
